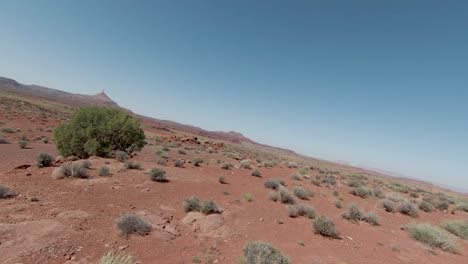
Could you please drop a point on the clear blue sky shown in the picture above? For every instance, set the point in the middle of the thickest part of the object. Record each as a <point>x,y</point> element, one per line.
<point>376,83</point>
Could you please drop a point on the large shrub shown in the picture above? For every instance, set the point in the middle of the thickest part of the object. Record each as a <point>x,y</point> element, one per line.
<point>99,131</point>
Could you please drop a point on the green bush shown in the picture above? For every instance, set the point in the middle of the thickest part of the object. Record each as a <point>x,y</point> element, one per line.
<point>182,152</point>
<point>315,182</point>
<point>256,173</point>
<point>192,204</point>
<point>113,257</point>
<point>7,130</point>
<point>44,160</point>
<point>457,227</point>
<point>245,164</point>
<point>132,224</point>
<point>259,252</point>
<point>356,183</point>
<point>157,175</point>
<point>329,180</point>
<point>121,156</point>
<point>442,205</point>
<point>433,236</point>
<point>408,209</point>
<point>104,171</point>
<point>248,197</point>
<point>209,207</point>
<point>91,131</point>
<point>325,227</point>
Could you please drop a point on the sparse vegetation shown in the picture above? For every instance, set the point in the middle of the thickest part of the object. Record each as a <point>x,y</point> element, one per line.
<point>259,252</point>
<point>301,210</point>
<point>274,196</point>
<point>291,164</point>
<point>248,197</point>
<point>113,257</point>
<point>5,192</point>
<point>301,193</point>
<point>73,170</point>
<point>182,152</point>
<point>331,180</point>
<point>3,141</point>
<point>361,191</point>
<point>162,162</point>
<point>296,176</point>
<point>256,173</point>
<point>325,227</point>
<point>408,209</point>
<point>388,205</point>
<point>273,183</point>
<point>222,179</point>
<point>130,165</point>
<point>433,236</point>
<point>315,182</point>
<point>179,163</point>
<point>425,206</point>
<point>286,197</point>
<point>44,160</point>
<point>78,136</point>
<point>7,130</point>
<point>245,164</point>
<point>132,224</point>
<point>209,207</point>
<point>227,166</point>
<point>23,143</point>
<point>192,204</point>
<point>457,227</point>
<point>338,204</point>
<point>157,175</point>
<point>104,171</point>
<point>197,161</point>
<point>378,193</point>
<point>357,214</point>
<point>121,156</point>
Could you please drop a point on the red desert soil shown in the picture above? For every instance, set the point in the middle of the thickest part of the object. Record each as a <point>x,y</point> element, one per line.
<point>73,220</point>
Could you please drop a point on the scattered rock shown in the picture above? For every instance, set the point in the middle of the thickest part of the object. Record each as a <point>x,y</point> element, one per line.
<point>22,167</point>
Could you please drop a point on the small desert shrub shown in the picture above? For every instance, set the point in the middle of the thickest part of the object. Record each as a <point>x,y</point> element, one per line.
<point>378,193</point>
<point>157,175</point>
<point>248,197</point>
<point>335,193</point>
<point>192,204</point>
<point>388,205</point>
<point>227,166</point>
<point>372,218</point>
<point>197,161</point>
<point>162,162</point>
<point>286,197</point>
<point>305,210</point>
<point>296,176</point>
<point>462,207</point>
<point>269,164</point>
<point>44,160</point>
<point>130,165</point>
<point>354,213</point>
<point>325,227</point>
<point>457,227</point>
<point>73,170</point>
<point>104,171</point>
<point>414,194</point>
<point>3,141</point>
<point>86,164</point>
<point>292,211</point>
<point>7,130</point>
<point>179,163</point>
<point>222,179</point>
<point>291,164</point>
<point>256,173</point>
<point>113,257</point>
<point>5,192</point>
<point>273,183</point>
<point>356,183</point>
<point>425,206</point>
<point>408,209</point>
<point>245,164</point>
<point>338,204</point>
<point>166,148</point>
<point>259,252</point>
<point>329,180</point>
<point>158,152</point>
<point>45,140</point>
<point>301,193</point>
<point>23,143</point>
<point>182,152</point>
<point>433,236</point>
<point>315,182</point>
<point>132,224</point>
<point>442,205</point>
<point>362,192</point>
<point>395,197</point>
<point>209,207</point>
<point>121,156</point>
<point>274,196</point>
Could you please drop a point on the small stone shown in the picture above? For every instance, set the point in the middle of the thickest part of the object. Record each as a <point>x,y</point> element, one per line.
<point>261,219</point>
<point>123,247</point>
